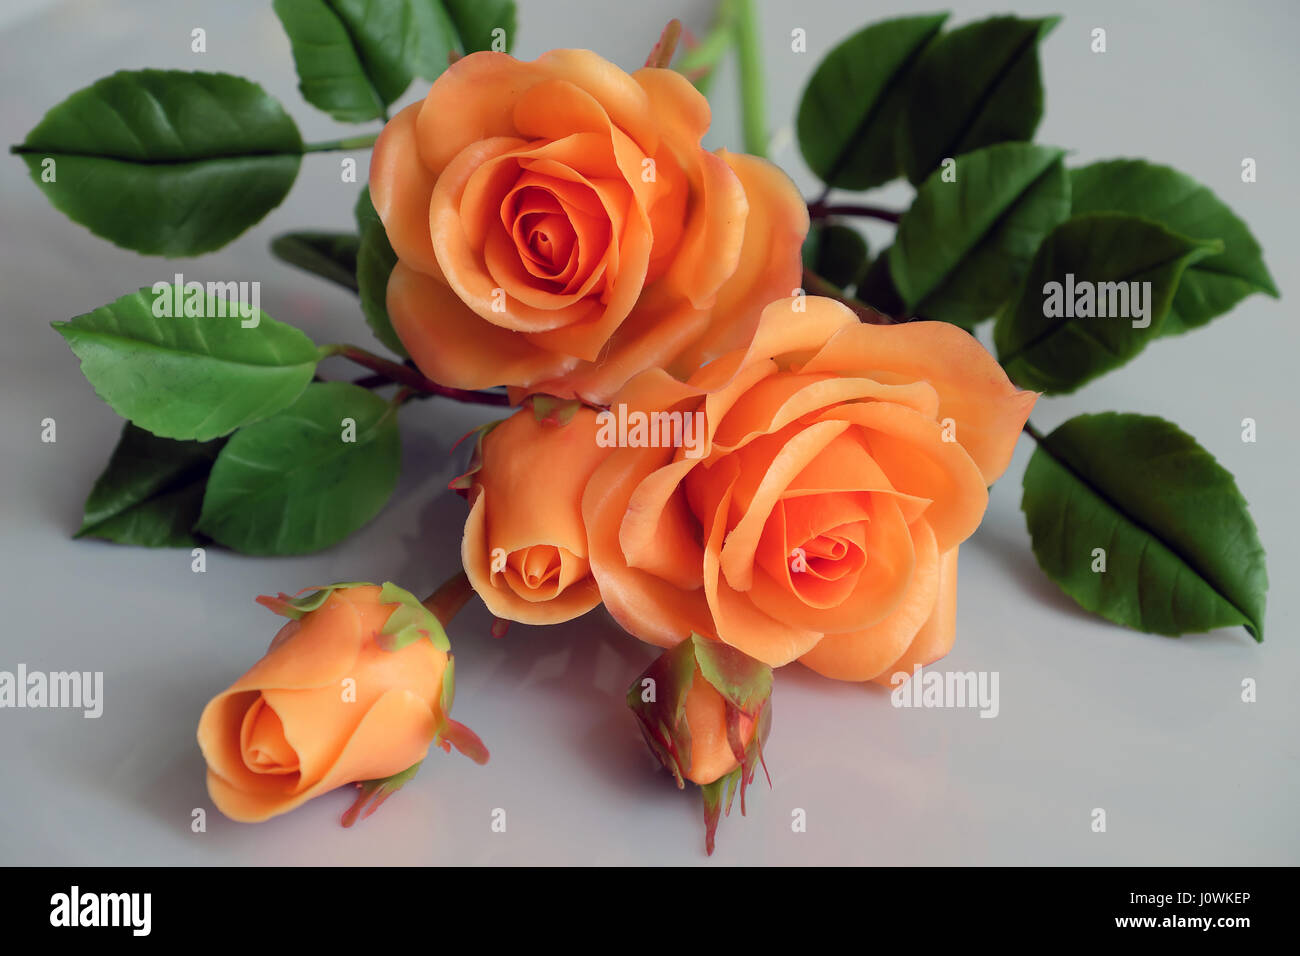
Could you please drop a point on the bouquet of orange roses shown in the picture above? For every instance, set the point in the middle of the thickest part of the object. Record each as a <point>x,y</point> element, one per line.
<point>751,440</point>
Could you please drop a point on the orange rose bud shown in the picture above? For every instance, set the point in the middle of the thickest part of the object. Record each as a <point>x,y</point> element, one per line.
<point>705,709</point>
<point>818,519</point>
<point>559,227</point>
<point>353,689</point>
<point>525,547</point>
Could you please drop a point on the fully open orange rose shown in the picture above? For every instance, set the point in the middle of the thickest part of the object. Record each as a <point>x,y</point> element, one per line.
<point>843,464</point>
<point>525,548</point>
<point>559,227</point>
<point>334,701</point>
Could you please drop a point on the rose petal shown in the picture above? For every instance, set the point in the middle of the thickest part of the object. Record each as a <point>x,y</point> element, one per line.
<point>400,190</point>
<point>452,345</point>
<point>936,635</point>
<point>865,654</point>
<point>974,391</point>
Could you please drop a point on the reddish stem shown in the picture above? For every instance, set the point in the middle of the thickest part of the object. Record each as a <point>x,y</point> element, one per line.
<point>816,285</point>
<point>402,375</point>
<point>449,598</point>
<point>819,209</point>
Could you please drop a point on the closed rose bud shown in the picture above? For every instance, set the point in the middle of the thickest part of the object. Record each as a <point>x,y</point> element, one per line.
<point>353,689</point>
<point>704,709</point>
<point>525,547</point>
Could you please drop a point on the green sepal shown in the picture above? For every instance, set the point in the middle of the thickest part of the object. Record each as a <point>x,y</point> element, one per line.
<point>721,793</point>
<point>663,718</point>
<point>375,792</point>
<point>462,483</point>
<point>549,410</point>
<point>409,622</point>
<point>744,682</point>
<point>296,607</point>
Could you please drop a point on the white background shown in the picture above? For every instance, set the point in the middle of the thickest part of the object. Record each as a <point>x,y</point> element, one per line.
<point>1151,729</point>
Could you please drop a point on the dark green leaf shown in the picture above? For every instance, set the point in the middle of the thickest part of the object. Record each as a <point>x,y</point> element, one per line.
<point>1181,551</point>
<point>355,57</point>
<point>973,87</point>
<point>1046,342</point>
<point>292,484</point>
<point>166,162</point>
<point>1211,286</point>
<point>850,108</point>
<point>475,21</point>
<point>331,255</point>
<point>963,247</point>
<point>375,261</point>
<point>836,252</point>
<point>151,491</point>
<point>189,376</point>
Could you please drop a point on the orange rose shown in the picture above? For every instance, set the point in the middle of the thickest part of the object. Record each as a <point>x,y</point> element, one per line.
<point>842,465</point>
<point>355,689</point>
<point>559,227</point>
<point>525,549</point>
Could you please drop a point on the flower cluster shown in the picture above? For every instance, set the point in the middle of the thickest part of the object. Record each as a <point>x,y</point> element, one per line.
<point>795,487</point>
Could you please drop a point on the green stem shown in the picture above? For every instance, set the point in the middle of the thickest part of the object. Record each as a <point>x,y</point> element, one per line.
<point>1033,433</point>
<point>335,145</point>
<point>753,105</point>
<point>705,56</point>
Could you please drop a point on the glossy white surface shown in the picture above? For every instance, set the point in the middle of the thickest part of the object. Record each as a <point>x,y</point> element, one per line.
<point>1151,729</point>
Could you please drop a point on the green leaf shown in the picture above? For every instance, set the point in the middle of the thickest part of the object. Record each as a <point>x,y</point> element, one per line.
<point>1051,340</point>
<point>292,485</point>
<point>195,375</point>
<point>963,246</point>
<point>375,262</point>
<point>973,87</point>
<point>475,20</point>
<point>850,109</point>
<point>1181,551</point>
<point>1210,286</point>
<point>355,57</point>
<point>836,252</point>
<point>150,493</point>
<point>330,255</point>
<point>165,162</point>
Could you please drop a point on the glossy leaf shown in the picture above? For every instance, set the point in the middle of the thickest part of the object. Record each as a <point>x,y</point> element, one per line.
<point>1210,286</point>
<point>1046,342</point>
<point>963,246</point>
<point>330,255</point>
<point>165,162</point>
<point>355,57</point>
<point>292,484</point>
<point>850,109</point>
<point>1180,549</point>
<point>189,376</point>
<point>476,21</point>
<point>973,87</point>
<point>151,491</point>
<point>375,262</point>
